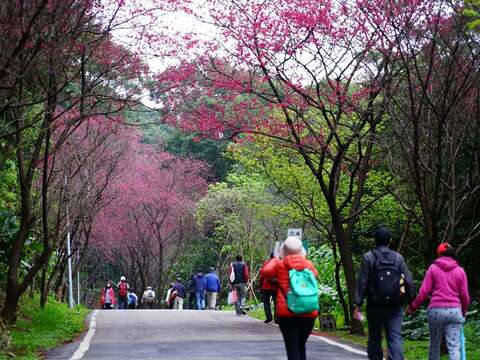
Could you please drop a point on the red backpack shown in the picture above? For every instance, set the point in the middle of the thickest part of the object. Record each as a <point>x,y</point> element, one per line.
<point>122,289</point>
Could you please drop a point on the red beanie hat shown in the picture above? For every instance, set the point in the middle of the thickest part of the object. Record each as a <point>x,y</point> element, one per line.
<point>442,248</point>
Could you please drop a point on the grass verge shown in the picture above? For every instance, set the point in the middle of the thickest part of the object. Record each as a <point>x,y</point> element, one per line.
<point>413,350</point>
<point>40,329</point>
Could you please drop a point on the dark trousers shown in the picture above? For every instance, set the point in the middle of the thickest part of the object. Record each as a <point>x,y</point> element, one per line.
<point>268,295</point>
<point>122,302</point>
<point>108,306</point>
<point>191,300</point>
<point>150,305</point>
<point>295,331</point>
<point>132,306</point>
<point>241,297</point>
<point>389,318</point>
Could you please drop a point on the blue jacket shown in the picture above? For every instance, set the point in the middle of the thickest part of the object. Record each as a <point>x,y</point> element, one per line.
<point>200,282</point>
<point>213,282</point>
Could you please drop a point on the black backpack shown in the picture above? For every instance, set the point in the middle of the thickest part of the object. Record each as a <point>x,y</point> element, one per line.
<point>386,279</point>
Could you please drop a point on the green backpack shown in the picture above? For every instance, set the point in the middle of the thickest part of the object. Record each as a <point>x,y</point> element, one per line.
<point>303,295</point>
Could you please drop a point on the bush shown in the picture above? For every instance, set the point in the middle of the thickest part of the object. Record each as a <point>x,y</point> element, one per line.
<point>38,329</point>
<point>415,327</point>
<point>323,260</point>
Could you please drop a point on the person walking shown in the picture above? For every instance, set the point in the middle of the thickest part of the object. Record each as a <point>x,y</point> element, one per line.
<point>295,324</point>
<point>446,285</point>
<point>148,298</point>
<point>213,288</point>
<point>238,278</point>
<point>122,293</point>
<point>386,282</point>
<point>191,293</point>
<point>107,298</point>
<point>200,287</point>
<point>179,292</point>
<point>269,291</point>
<point>132,299</point>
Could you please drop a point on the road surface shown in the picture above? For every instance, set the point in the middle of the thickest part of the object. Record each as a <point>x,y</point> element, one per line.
<point>187,335</point>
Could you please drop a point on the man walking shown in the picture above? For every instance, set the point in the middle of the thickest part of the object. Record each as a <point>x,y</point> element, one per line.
<point>123,293</point>
<point>180,293</point>
<point>238,279</point>
<point>386,282</point>
<point>213,288</point>
<point>269,291</point>
<point>191,292</point>
<point>200,287</point>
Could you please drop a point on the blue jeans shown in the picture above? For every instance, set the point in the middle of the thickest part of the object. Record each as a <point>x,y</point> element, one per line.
<point>200,297</point>
<point>122,303</point>
<point>448,322</point>
<point>389,318</point>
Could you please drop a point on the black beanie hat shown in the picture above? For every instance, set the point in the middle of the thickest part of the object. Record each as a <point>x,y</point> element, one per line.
<point>383,236</point>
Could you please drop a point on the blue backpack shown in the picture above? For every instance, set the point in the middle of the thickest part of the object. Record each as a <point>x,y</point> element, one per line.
<point>131,299</point>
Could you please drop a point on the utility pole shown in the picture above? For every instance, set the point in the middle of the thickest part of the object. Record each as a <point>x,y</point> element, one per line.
<point>69,255</point>
<point>69,266</point>
<point>78,276</point>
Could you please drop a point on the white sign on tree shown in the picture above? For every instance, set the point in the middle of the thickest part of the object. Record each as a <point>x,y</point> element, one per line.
<point>295,232</point>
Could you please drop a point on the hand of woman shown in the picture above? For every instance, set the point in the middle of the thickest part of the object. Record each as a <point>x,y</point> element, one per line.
<point>409,311</point>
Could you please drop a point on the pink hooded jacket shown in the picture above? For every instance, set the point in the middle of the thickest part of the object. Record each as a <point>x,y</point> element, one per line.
<point>446,283</point>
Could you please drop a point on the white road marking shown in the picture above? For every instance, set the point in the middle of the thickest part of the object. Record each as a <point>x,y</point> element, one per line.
<point>85,344</point>
<point>340,345</point>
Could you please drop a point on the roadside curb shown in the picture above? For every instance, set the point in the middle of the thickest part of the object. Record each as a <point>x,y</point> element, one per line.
<point>73,343</point>
<point>85,342</point>
<point>331,340</point>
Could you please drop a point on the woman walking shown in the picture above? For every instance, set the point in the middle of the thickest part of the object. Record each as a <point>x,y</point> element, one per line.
<point>295,327</point>
<point>107,299</point>
<point>446,283</point>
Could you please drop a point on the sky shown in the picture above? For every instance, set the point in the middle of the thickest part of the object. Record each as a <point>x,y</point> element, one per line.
<point>174,22</point>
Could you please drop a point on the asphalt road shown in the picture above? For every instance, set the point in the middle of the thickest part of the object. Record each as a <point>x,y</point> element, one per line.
<point>189,335</point>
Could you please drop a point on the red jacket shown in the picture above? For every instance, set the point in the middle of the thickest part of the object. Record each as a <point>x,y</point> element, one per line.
<point>265,283</point>
<point>278,269</point>
<point>112,296</point>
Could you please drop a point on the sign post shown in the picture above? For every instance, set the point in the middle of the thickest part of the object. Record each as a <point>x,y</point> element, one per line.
<point>295,232</point>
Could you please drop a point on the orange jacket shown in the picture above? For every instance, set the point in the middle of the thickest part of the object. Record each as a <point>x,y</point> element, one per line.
<point>278,269</point>
<point>267,284</point>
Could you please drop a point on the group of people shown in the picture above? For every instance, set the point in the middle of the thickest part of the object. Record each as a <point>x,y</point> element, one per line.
<point>385,281</point>
<point>203,290</point>
<point>288,278</point>
<point>127,298</point>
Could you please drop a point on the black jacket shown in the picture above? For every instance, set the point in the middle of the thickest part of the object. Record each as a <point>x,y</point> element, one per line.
<point>365,274</point>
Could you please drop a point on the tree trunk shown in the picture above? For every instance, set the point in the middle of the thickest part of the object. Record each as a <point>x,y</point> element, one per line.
<point>341,297</point>
<point>44,288</point>
<point>12,294</point>
<point>349,271</point>
<point>160,270</point>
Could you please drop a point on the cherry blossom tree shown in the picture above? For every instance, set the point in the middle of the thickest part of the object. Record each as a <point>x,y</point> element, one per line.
<point>79,176</point>
<point>59,65</point>
<point>307,74</point>
<point>151,214</point>
<point>311,75</point>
